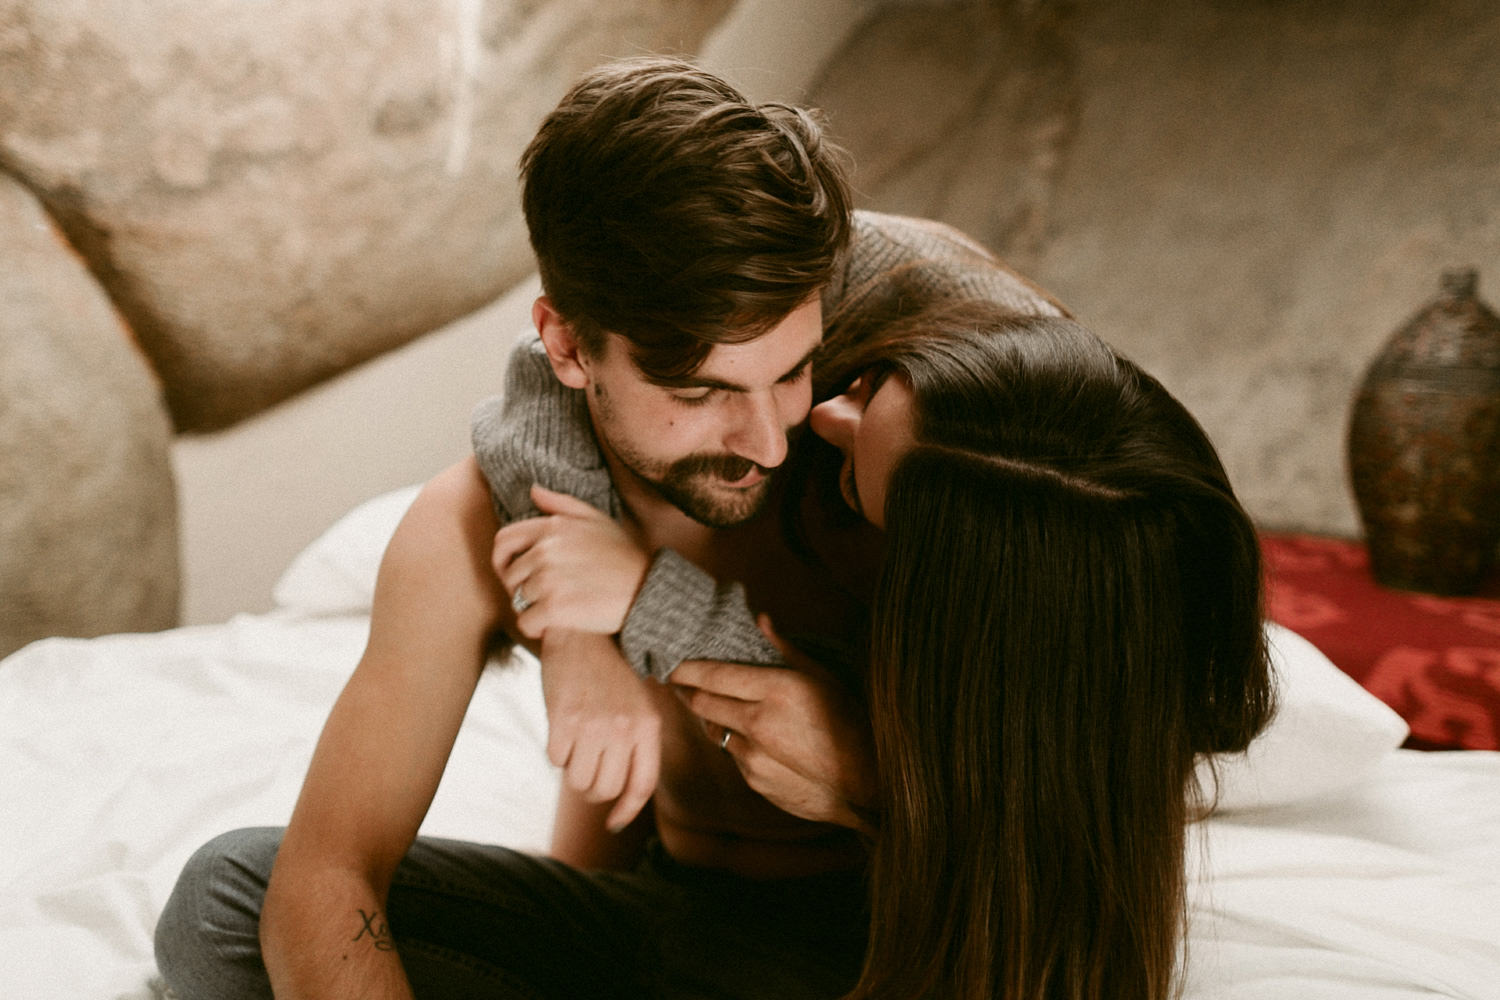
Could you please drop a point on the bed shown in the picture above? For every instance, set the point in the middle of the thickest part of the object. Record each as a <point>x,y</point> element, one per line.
<point>1340,865</point>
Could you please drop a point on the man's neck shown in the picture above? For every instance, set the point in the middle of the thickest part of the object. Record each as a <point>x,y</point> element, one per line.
<point>657,521</point>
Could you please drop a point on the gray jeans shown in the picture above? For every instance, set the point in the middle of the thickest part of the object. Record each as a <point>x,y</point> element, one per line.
<point>471,920</point>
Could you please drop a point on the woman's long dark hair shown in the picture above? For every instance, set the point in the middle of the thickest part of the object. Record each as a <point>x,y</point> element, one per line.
<point>1068,613</point>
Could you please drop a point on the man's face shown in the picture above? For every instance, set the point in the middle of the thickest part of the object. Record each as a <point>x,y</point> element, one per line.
<point>708,442</point>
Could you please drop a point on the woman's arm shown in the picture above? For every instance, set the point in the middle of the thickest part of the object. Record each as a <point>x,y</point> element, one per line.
<point>539,433</point>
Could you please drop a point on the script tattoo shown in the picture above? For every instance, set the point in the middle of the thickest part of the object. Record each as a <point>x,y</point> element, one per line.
<point>376,929</point>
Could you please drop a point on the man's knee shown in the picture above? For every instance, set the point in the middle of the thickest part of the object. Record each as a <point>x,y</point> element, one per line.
<point>208,936</point>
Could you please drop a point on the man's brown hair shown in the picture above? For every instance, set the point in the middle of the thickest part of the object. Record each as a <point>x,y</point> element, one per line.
<point>665,207</point>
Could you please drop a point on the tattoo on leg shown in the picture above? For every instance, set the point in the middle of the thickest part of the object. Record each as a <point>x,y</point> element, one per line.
<point>376,929</point>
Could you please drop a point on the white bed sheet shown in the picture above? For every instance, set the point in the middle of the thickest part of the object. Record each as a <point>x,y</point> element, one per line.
<point>120,755</point>
<point>1389,890</point>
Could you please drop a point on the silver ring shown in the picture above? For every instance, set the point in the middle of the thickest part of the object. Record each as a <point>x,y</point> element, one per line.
<point>724,740</point>
<point>518,601</point>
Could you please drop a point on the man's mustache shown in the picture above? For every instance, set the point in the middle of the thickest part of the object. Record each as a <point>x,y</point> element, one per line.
<point>730,468</point>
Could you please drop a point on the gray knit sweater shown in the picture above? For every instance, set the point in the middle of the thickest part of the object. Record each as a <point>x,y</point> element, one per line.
<point>538,431</point>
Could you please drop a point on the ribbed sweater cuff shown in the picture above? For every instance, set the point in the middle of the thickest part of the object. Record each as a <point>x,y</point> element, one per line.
<point>682,613</point>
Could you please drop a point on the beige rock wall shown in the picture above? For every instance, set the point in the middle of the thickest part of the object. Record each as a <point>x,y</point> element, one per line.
<point>272,192</point>
<point>1247,197</point>
<point>88,526</point>
<point>265,194</point>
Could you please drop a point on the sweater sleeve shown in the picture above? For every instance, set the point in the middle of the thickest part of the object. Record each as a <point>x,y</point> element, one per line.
<point>897,264</point>
<point>682,613</point>
<point>538,431</point>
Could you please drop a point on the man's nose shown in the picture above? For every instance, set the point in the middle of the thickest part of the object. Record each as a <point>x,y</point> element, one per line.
<point>760,432</point>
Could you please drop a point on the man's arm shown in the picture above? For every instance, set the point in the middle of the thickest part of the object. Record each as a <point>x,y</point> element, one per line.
<point>383,749</point>
<point>582,835</point>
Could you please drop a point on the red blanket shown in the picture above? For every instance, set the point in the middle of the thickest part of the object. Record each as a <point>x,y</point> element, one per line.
<point>1435,660</point>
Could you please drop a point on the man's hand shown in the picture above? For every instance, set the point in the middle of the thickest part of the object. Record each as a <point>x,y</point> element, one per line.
<point>605,730</point>
<point>575,567</point>
<point>798,738</point>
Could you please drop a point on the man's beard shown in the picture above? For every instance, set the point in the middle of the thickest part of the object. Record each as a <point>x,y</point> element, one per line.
<point>688,484</point>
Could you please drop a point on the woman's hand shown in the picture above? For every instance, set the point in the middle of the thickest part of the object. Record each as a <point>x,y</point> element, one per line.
<point>797,736</point>
<point>604,730</point>
<point>574,568</point>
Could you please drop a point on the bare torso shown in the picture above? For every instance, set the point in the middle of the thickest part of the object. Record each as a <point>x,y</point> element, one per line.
<point>705,813</point>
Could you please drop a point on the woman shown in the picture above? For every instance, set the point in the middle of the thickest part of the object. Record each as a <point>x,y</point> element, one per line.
<point>1067,614</point>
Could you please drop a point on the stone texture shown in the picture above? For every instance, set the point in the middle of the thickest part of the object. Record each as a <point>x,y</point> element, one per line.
<point>88,526</point>
<point>957,111</point>
<point>1247,198</point>
<point>272,192</point>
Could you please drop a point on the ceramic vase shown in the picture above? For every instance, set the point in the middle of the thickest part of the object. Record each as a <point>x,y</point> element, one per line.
<point>1424,446</point>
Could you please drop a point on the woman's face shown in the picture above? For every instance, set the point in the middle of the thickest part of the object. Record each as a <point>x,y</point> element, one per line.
<point>873,430</point>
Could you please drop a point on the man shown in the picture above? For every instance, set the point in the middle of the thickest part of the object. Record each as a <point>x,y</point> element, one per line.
<point>712,226</point>
<point>728,220</point>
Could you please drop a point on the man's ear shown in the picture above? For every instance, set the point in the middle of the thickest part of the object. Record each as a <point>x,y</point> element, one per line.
<point>562,347</point>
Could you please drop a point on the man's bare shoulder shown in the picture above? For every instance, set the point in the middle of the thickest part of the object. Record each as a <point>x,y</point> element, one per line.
<point>439,554</point>
<point>459,490</point>
<point>452,505</point>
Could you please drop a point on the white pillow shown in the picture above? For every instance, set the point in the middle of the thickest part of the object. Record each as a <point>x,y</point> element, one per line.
<point>1328,733</point>
<point>335,575</point>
